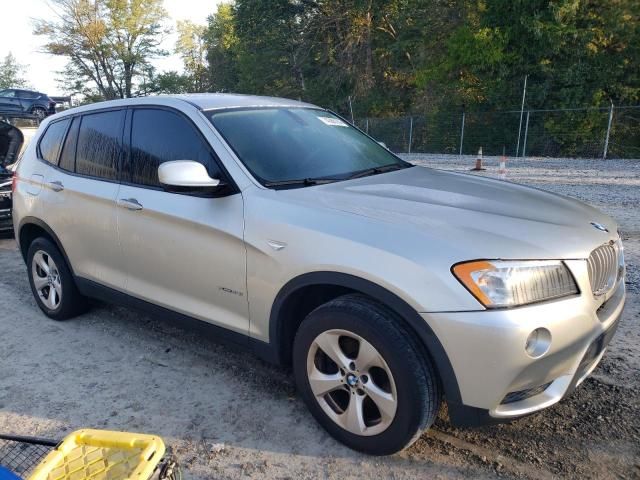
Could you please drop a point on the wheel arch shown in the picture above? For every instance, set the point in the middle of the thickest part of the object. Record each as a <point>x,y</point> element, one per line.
<point>315,288</point>
<point>31,228</point>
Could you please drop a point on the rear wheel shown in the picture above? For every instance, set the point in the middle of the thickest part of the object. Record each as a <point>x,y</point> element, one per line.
<point>39,112</point>
<point>362,376</point>
<point>51,281</point>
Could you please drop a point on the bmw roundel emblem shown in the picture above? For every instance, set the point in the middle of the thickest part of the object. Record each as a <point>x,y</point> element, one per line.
<point>599,226</point>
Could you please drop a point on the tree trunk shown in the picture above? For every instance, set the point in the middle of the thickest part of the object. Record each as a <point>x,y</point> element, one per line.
<point>128,74</point>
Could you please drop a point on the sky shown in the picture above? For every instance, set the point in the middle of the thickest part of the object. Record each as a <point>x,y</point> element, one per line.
<point>16,36</point>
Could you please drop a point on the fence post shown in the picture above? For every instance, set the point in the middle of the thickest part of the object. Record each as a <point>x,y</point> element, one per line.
<point>606,139</point>
<point>410,133</point>
<point>462,134</point>
<point>524,95</point>
<point>526,133</point>
<point>366,128</point>
<point>351,110</point>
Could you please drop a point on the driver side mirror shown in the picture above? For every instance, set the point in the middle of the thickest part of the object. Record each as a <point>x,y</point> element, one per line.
<point>186,176</point>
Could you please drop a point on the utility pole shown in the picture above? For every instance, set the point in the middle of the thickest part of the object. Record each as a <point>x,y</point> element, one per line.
<point>524,94</point>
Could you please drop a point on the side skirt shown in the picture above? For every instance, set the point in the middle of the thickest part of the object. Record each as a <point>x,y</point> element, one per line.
<point>218,334</point>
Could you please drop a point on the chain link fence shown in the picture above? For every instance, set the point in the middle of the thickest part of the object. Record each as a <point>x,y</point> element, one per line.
<point>576,133</point>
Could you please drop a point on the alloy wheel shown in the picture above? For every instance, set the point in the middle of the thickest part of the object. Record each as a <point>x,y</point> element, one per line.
<point>352,382</point>
<point>46,279</point>
<point>41,113</point>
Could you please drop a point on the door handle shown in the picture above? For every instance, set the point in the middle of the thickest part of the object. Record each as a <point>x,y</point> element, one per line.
<point>56,186</point>
<point>129,204</point>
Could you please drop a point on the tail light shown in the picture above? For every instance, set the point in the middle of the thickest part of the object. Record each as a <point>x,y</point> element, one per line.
<point>14,183</point>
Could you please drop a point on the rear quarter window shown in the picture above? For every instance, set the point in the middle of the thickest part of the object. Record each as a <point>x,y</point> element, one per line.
<point>68,155</point>
<point>51,141</point>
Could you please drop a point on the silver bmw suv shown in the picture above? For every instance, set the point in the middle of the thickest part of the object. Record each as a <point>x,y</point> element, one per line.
<point>389,288</point>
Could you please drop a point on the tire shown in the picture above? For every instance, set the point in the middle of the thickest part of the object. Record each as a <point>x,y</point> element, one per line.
<point>412,384</point>
<point>39,112</point>
<point>67,301</point>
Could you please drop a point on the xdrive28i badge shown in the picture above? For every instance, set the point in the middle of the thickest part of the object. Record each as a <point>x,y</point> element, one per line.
<point>599,226</point>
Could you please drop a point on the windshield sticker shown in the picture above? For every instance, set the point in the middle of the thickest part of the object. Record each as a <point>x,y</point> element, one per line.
<point>333,122</point>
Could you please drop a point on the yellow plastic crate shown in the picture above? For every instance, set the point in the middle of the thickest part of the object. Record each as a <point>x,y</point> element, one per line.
<point>102,455</point>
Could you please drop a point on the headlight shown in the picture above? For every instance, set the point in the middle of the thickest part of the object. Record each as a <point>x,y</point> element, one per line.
<point>501,283</point>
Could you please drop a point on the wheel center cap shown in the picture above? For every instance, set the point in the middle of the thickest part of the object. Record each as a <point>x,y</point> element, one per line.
<point>352,380</point>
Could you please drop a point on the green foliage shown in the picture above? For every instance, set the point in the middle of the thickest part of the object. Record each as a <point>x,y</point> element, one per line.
<point>191,48</point>
<point>221,43</point>
<point>108,43</point>
<point>12,73</point>
<point>170,82</point>
<point>398,56</point>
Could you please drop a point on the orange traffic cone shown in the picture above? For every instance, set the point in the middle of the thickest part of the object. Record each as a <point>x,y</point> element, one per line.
<point>478,166</point>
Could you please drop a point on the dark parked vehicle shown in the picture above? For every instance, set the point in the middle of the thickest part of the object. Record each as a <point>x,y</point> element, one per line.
<point>16,130</point>
<point>6,223</point>
<point>26,101</point>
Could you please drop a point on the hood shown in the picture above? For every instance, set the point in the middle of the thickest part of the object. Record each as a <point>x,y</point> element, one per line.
<point>486,218</point>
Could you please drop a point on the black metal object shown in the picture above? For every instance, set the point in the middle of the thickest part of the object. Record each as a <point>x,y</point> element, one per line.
<point>22,454</point>
<point>519,395</point>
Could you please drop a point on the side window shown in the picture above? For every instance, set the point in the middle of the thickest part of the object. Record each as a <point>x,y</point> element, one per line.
<point>51,141</point>
<point>159,136</point>
<point>99,144</point>
<point>26,94</point>
<point>68,155</point>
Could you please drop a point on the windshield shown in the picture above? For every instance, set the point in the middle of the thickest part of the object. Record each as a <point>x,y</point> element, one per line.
<point>300,146</point>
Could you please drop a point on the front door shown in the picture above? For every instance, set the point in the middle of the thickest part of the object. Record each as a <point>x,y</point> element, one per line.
<point>182,252</point>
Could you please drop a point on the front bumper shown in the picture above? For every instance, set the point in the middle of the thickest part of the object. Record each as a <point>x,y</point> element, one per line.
<point>494,372</point>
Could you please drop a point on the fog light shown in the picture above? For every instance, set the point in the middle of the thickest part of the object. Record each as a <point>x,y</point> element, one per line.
<point>538,342</point>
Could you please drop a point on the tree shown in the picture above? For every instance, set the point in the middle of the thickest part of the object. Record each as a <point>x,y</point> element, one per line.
<point>11,73</point>
<point>271,47</point>
<point>191,48</point>
<point>107,42</point>
<point>170,82</point>
<point>221,44</point>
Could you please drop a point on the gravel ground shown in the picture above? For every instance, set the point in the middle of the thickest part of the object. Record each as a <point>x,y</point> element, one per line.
<point>229,415</point>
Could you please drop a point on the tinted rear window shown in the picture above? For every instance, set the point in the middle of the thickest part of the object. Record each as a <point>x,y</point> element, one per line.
<point>68,155</point>
<point>52,141</point>
<point>99,144</point>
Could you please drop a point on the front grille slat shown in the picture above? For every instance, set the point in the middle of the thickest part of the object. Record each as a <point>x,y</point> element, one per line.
<point>602,266</point>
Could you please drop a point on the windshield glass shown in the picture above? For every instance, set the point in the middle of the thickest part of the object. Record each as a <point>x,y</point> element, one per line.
<point>284,145</point>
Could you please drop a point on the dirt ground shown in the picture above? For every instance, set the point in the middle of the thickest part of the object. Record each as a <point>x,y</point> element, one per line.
<point>229,415</point>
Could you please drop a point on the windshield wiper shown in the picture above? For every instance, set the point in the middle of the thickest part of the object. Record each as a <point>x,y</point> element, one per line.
<point>306,182</point>
<point>303,182</point>
<point>376,170</point>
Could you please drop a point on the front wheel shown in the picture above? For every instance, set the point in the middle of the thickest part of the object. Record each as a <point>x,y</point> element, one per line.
<point>362,376</point>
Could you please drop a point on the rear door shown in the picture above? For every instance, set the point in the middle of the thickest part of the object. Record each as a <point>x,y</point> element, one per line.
<point>183,252</point>
<point>79,196</point>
